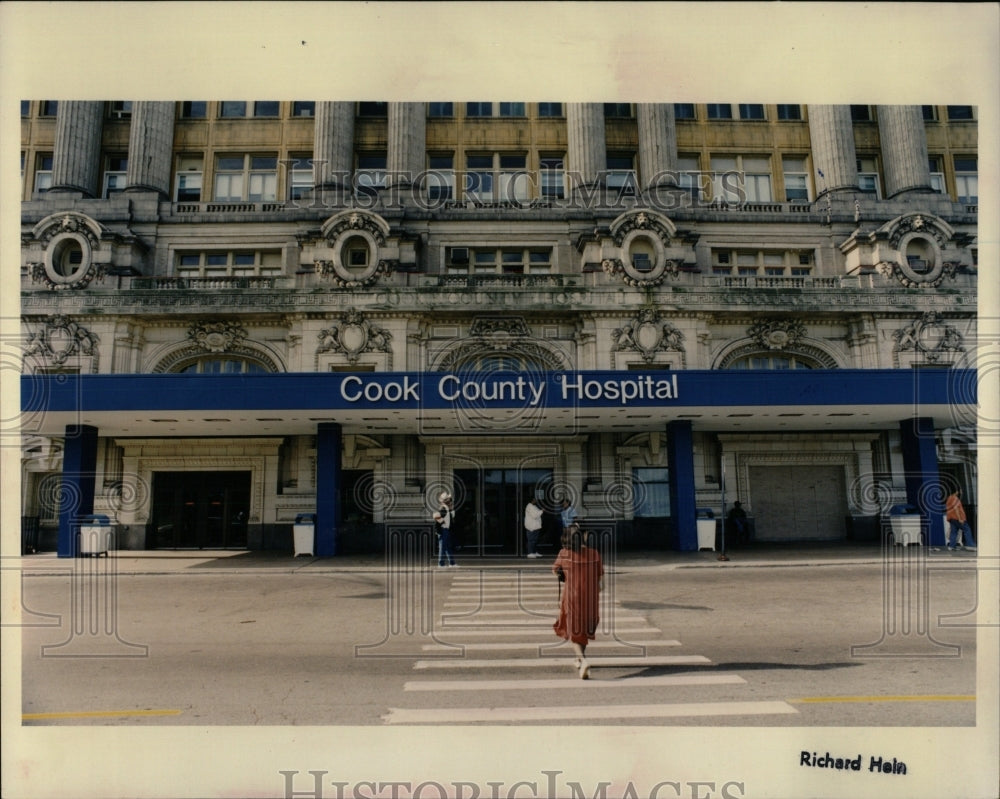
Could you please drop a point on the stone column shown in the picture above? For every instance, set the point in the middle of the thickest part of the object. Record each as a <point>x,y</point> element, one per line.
<point>407,123</point>
<point>79,479</point>
<point>150,147</point>
<point>586,143</point>
<point>680,462</point>
<point>832,137</point>
<point>333,145</point>
<point>76,157</point>
<point>904,149</point>
<point>657,144</point>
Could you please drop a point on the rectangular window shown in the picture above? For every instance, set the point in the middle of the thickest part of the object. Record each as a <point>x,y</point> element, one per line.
<point>232,109</point>
<point>440,110</point>
<point>380,110</point>
<point>303,108</point>
<point>512,109</point>
<point>868,176</point>
<point>115,169</point>
<point>929,112</point>
<point>967,179</point>
<point>43,172</point>
<point>479,109</point>
<point>266,108</point>
<point>617,110</point>
<point>796,179</point>
<point>228,263</point>
<point>937,173</point>
<point>370,174</point>
<point>757,179</point>
<point>960,112</point>
<point>789,112</point>
<point>552,177</point>
<point>188,179</point>
<point>506,261</point>
<point>48,108</point>
<point>300,176</point>
<point>513,179</point>
<point>194,109</point>
<point>621,174</point>
<point>121,109</point>
<point>748,111</point>
<point>688,176</point>
<point>684,111</point>
<point>479,177</point>
<point>651,490</point>
<point>229,178</point>
<point>252,178</point>
<point>25,108</point>
<point>861,113</point>
<point>719,111</point>
<point>441,177</point>
<point>550,109</point>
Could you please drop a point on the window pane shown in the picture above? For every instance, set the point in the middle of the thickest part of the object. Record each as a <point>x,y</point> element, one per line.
<point>229,162</point>
<point>479,161</point>
<point>860,113</point>
<point>479,109</point>
<point>512,109</point>
<point>789,112</point>
<point>618,110</point>
<point>651,490</point>
<point>304,108</point>
<point>512,161</point>
<point>373,109</point>
<point>232,108</point>
<point>751,111</point>
<point>960,112</point>
<point>720,111</point>
<point>195,109</point>
<point>550,109</point>
<point>684,110</point>
<point>440,110</point>
<point>266,108</point>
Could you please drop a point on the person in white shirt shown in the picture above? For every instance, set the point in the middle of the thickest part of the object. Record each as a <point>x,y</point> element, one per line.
<point>533,526</point>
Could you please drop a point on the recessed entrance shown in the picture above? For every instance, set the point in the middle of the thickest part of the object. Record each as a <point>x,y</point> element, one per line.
<point>490,518</point>
<point>200,510</point>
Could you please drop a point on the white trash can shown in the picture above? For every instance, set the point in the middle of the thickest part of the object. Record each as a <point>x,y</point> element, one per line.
<point>706,529</point>
<point>95,535</point>
<point>304,534</point>
<point>905,525</point>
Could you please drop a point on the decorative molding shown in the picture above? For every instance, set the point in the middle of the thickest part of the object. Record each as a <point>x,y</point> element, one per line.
<point>217,336</point>
<point>353,335</point>
<point>483,327</point>
<point>899,233</point>
<point>929,336</point>
<point>777,334</point>
<point>657,231</point>
<point>337,231</point>
<point>60,339</point>
<point>647,333</point>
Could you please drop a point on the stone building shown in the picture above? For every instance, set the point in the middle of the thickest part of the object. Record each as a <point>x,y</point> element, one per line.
<point>238,312</point>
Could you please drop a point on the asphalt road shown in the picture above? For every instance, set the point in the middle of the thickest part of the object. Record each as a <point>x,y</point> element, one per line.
<point>832,645</point>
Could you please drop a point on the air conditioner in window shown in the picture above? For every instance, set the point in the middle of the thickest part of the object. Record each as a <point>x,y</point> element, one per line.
<point>458,255</point>
<point>119,114</point>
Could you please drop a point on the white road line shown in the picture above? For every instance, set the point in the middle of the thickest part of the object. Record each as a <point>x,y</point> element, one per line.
<point>573,682</point>
<point>544,613</point>
<point>638,661</point>
<point>529,645</point>
<point>496,715</point>
<point>487,633</point>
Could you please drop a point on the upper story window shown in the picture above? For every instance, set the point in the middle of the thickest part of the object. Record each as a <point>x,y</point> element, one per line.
<point>772,361</point>
<point>373,110</point>
<point>796,178</point>
<point>232,109</point>
<point>512,110</point>
<point>684,111</point>
<point>934,166</point>
<point>246,177</point>
<point>194,109</point>
<point>266,108</point>
<point>929,113</point>
<point>746,175</point>
<point>228,263</point>
<point>214,364</point>
<point>550,109</point>
<point>789,112</point>
<point>762,263</point>
<point>960,112</point>
<point>303,108</point>
<point>300,172</point>
<point>440,178</point>
<point>479,109</point>
<point>441,110</point>
<point>499,260</point>
<point>621,174</point>
<point>868,176</point>
<point>861,113</point>
<point>966,178</point>
<point>552,182</point>
<point>43,172</point>
<point>751,111</point>
<point>719,110</point>
<point>688,175</point>
<point>25,108</point>
<point>617,110</point>
<point>479,177</point>
<point>188,179</point>
<point>115,169</point>
<point>370,174</point>
<point>121,109</point>
<point>48,108</point>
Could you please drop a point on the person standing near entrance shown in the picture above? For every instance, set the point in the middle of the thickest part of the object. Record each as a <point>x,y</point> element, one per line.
<point>533,526</point>
<point>444,518</point>
<point>954,512</point>
<point>581,571</point>
<point>567,514</point>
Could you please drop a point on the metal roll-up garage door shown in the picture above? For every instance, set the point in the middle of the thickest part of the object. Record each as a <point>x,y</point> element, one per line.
<point>798,503</point>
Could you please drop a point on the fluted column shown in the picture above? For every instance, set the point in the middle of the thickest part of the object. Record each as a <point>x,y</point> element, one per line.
<point>333,144</point>
<point>835,160</point>
<point>586,143</point>
<point>76,157</point>
<point>407,124</point>
<point>657,144</point>
<point>150,147</point>
<point>904,149</point>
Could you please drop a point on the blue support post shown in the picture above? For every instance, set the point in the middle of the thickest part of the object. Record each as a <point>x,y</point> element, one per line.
<point>329,438</point>
<point>680,462</point>
<point>923,483</point>
<point>78,480</point>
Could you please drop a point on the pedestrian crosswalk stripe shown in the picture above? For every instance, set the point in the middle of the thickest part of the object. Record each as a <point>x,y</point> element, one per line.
<point>574,682</point>
<point>499,715</point>
<point>530,645</point>
<point>564,661</point>
<point>535,630</point>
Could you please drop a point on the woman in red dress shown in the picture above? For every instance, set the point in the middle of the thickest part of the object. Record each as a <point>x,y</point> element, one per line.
<point>580,567</point>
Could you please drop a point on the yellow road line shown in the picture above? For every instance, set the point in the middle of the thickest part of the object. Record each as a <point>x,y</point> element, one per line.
<point>98,714</point>
<point>933,698</point>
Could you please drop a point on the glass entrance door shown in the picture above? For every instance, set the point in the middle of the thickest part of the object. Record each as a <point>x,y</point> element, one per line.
<point>198,510</point>
<point>490,519</point>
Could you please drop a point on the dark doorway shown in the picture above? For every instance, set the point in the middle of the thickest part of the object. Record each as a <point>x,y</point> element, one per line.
<point>200,510</point>
<point>489,514</point>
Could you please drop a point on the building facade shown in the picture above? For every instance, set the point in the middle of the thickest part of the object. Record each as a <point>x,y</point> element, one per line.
<point>238,312</point>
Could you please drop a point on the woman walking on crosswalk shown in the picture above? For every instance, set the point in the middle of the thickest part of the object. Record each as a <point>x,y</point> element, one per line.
<point>580,569</point>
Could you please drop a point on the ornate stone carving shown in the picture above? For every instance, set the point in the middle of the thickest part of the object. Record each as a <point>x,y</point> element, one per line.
<point>505,326</point>
<point>217,336</point>
<point>68,242</point>
<point>346,235</point>
<point>776,334</point>
<point>936,236</point>
<point>929,336</point>
<point>60,339</point>
<point>646,235</point>
<point>647,333</point>
<point>353,335</point>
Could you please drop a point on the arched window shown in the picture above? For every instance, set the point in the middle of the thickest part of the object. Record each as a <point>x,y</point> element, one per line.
<point>217,365</point>
<point>768,360</point>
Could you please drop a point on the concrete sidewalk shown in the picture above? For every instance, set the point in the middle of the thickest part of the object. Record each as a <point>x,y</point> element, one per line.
<point>192,562</point>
